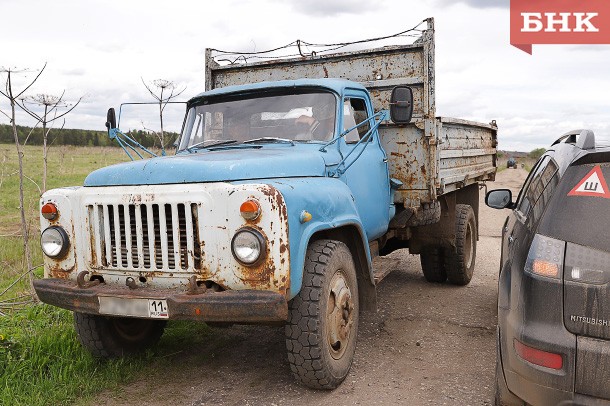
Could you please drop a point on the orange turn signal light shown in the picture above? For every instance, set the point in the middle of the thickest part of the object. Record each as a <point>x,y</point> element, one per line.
<point>49,211</point>
<point>250,209</point>
<point>545,268</point>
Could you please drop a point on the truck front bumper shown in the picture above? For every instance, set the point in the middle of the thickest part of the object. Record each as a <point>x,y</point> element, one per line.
<point>232,306</point>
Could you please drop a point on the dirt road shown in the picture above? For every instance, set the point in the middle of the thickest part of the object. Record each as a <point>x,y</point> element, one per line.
<point>427,345</point>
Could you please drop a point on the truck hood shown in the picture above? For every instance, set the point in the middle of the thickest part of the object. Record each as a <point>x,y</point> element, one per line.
<point>213,166</point>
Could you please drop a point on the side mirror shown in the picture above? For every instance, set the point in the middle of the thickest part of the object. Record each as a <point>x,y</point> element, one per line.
<point>401,105</point>
<point>110,119</point>
<point>500,199</point>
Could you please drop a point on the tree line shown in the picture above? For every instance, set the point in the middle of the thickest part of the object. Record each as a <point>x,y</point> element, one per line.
<point>77,137</point>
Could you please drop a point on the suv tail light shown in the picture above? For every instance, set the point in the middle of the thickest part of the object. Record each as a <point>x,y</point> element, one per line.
<point>545,257</point>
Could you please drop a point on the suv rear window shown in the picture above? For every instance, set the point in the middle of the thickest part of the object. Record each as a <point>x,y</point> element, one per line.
<point>575,213</point>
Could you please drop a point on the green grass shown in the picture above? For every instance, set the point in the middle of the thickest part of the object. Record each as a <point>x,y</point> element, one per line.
<point>44,364</point>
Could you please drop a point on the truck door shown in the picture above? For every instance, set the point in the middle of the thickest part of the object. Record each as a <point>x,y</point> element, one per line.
<point>367,176</point>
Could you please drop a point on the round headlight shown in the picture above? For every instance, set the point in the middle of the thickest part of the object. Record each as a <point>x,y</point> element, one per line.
<point>54,242</point>
<point>248,246</point>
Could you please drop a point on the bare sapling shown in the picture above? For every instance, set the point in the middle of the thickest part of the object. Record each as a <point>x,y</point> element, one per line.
<point>13,96</point>
<point>50,105</point>
<point>164,93</point>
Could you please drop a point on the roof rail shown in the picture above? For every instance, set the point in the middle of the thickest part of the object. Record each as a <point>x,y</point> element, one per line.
<point>585,140</point>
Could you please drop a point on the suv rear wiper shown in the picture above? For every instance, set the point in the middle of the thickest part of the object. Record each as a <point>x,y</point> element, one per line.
<point>213,144</point>
<point>269,139</point>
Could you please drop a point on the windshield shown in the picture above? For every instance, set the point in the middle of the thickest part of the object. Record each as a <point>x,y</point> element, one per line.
<point>296,117</point>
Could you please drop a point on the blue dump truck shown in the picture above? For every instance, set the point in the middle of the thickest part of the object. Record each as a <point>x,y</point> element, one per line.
<point>291,183</point>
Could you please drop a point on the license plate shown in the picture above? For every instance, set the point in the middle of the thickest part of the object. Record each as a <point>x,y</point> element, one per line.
<point>117,306</point>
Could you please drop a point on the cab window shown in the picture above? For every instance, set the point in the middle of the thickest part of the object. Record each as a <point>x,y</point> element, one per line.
<point>354,112</point>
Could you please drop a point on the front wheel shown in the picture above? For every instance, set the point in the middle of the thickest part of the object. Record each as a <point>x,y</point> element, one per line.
<point>323,318</point>
<point>113,337</point>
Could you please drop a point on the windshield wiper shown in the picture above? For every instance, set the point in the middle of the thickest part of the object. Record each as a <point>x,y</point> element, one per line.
<point>268,139</point>
<point>213,144</point>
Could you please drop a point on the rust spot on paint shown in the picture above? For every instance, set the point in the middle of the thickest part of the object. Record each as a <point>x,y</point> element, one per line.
<point>56,271</point>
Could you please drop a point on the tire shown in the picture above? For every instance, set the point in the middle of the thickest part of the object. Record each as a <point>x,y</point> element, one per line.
<point>114,337</point>
<point>432,264</point>
<point>460,261</point>
<point>428,213</point>
<point>323,318</point>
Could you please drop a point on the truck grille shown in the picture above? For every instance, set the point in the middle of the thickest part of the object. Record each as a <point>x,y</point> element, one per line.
<point>145,236</point>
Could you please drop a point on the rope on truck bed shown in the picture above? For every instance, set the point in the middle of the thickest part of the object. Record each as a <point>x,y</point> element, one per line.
<point>305,49</point>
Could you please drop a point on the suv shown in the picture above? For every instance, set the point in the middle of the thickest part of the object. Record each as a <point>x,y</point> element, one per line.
<point>511,163</point>
<point>553,337</point>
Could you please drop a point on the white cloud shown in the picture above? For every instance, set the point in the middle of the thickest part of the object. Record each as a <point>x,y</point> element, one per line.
<point>325,8</point>
<point>485,4</point>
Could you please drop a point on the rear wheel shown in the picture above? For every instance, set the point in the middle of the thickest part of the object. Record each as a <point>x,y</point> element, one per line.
<point>432,264</point>
<point>113,337</point>
<point>323,318</point>
<point>460,261</point>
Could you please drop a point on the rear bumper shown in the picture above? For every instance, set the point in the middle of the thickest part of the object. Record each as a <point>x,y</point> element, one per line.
<point>582,381</point>
<point>236,306</point>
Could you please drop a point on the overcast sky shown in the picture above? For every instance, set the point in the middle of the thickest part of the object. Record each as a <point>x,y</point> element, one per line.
<point>101,49</point>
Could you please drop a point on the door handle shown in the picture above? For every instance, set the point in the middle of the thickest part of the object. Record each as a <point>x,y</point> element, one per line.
<point>511,239</point>
<point>385,160</point>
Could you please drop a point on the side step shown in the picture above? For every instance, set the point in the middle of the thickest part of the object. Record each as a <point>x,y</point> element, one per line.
<point>382,266</point>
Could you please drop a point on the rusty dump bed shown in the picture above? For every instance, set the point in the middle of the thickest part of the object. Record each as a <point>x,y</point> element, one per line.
<point>430,156</point>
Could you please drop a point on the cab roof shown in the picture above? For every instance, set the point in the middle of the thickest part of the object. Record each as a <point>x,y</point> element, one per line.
<point>335,85</point>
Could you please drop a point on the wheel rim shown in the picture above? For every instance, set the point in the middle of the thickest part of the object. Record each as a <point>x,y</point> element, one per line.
<point>468,246</point>
<point>340,315</point>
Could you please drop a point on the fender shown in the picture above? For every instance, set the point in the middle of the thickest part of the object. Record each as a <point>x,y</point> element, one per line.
<point>331,205</point>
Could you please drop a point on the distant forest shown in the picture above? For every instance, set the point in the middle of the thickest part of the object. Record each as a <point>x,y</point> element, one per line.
<point>91,138</point>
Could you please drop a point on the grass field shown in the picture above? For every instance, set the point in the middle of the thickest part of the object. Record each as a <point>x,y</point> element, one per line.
<point>41,360</point>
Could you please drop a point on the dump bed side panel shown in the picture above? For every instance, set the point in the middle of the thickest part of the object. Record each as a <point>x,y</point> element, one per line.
<point>467,153</point>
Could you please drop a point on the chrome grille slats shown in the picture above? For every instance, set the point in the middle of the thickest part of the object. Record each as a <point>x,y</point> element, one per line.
<point>144,236</point>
